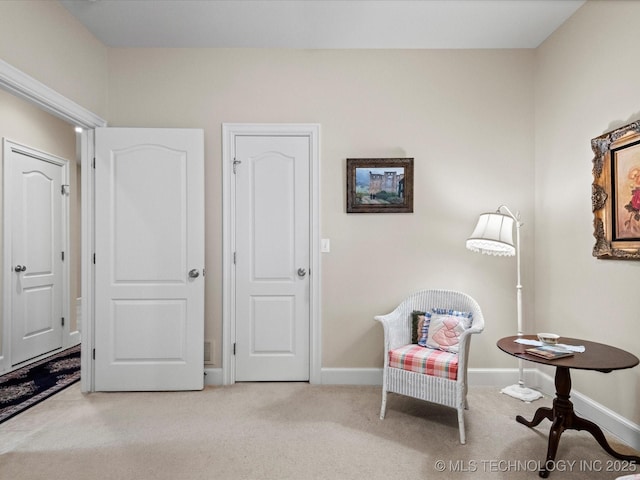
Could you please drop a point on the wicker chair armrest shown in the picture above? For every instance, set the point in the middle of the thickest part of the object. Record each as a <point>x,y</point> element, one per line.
<point>465,343</point>
<point>392,324</point>
<point>471,330</point>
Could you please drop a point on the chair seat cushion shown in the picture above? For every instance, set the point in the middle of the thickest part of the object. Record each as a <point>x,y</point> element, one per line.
<point>427,361</point>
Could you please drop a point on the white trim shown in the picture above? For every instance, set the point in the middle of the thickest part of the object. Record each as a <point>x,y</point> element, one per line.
<point>30,89</point>
<point>74,339</point>
<point>8,147</point>
<point>478,377</point>
<point>66,271</point>
<point>351,376</point>
<point>213,376</point>
<point>500,377</point>
<point>88,272</point>
<point>229,132</point>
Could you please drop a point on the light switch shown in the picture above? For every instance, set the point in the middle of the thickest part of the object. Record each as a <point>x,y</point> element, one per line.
<point>325,245</point>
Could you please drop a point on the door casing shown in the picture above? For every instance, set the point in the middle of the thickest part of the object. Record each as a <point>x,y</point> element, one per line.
<point>229,133</point>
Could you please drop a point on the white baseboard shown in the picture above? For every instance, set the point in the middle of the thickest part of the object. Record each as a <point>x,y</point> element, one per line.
<point>328,376</point>
<point>74,338</point>
<point>213,376</point>
<point>627,431</point>
<point>373,376</point>
<point>499,377</point>
<point>351,376</point>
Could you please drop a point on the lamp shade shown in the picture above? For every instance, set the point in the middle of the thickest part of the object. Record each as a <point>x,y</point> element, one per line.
<point>493,235</point>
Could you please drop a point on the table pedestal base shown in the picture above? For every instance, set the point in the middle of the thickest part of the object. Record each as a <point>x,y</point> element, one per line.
<point>563,418</point>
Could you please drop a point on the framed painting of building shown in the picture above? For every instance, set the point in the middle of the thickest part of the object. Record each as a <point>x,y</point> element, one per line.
<point>379,185</point>
<point>615,193</point>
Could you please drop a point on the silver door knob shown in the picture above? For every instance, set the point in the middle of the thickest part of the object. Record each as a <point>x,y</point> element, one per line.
<point>194,273</point>
<point>20,268</point>
<point>302,272</point>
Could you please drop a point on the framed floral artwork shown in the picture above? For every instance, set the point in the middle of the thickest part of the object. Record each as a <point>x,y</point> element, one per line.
<point>615,193</point>
<point>379,185</point>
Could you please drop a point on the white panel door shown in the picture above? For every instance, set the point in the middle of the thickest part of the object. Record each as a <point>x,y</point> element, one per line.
<point>37,238</point>
<point>149,302</point>
<point>272,258</point>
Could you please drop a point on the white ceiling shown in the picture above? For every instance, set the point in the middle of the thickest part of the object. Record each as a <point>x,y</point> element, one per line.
<point>323,23</point>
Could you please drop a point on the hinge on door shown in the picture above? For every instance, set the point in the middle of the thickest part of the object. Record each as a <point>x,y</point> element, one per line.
<point>63,321</point>
<point>94,258</point>
<point>234,258</point>
<point>234,348</point>
<point>93,163</point>
<point>235,165</point>
<point>94,353</point>
<point>62,255</point>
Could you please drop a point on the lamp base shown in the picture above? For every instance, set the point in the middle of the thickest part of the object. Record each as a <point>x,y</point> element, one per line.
<point>521,393</point>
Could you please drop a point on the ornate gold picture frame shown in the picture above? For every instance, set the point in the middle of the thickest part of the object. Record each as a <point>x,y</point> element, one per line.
<point>615,193</point>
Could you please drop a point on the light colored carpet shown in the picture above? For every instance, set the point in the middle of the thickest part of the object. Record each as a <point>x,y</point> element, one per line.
<point>278,431</point>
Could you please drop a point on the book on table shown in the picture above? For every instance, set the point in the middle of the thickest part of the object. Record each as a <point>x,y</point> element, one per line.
<point>550,352</point>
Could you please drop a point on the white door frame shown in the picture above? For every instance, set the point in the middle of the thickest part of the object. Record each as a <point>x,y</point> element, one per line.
<point>8,147</point>
<point>35,92</point>
<point>229,132</point>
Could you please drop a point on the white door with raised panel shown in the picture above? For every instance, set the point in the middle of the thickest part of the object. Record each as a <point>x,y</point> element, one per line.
<point>272,257</point>
<point>38,231</point>
<point>149,259</point>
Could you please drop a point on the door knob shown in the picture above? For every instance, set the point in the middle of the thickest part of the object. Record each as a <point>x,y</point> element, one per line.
<point>194,273</point>
<point>302,272</point>
<point>20,268</point>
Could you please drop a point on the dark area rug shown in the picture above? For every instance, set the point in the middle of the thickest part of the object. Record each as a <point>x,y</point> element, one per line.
<point>25,387</point>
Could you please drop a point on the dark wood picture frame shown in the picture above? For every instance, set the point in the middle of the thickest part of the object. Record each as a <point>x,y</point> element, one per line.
<point>379,185</point>
<point>615,193</point>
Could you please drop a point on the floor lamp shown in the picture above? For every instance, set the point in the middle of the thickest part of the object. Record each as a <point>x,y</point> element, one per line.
<point>493,235</point>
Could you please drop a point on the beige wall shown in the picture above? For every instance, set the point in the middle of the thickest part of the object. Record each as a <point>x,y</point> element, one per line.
<point>469,118</point>
<point>26,124</point>
<point>465,116</point>
<point>42,39</point>
<point>587,77</point>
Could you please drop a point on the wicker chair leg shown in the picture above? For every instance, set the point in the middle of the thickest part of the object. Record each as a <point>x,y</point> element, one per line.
<point>463,438</point>
<point>383,407</point>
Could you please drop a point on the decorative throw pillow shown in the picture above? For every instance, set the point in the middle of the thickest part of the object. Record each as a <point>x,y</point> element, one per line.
<point>445,329</point>
<point>423,328</point>
<point>417,325</point>
<point>468,316</point>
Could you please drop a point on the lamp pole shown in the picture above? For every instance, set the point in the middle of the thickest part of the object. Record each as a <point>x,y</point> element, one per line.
<point>516,219</point>
<point>494,235</point>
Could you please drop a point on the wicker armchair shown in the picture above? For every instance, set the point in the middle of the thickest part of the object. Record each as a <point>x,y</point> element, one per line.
<point>447,385</point>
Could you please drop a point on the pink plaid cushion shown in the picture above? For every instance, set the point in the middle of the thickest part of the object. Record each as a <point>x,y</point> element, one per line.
<point>428,361</point>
